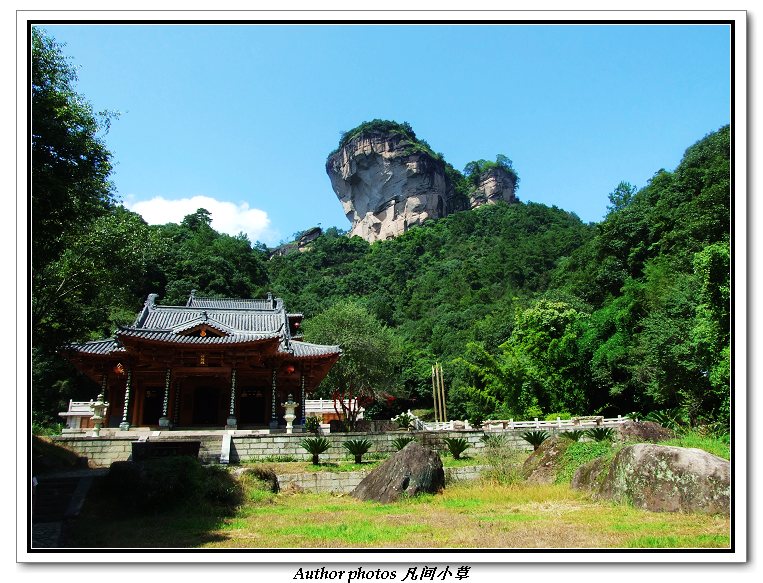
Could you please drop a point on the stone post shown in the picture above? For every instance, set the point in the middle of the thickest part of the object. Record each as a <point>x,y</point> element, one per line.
<point>125,425</point>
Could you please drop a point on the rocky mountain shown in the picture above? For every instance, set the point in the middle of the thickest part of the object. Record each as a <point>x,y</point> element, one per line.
<point>388,181</point>
<point>494,184</point>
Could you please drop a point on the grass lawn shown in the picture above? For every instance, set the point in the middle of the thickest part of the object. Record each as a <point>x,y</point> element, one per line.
<point>466,515</point>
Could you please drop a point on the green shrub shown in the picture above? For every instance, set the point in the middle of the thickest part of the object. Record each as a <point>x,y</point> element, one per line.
<point>504,465</point>
<point>312,425</point>
<point>535,438</point>
<point>578,454</point>
<point>155,485</point>
<point>601,433</point>
<point>674,419</point>
<point>280,458</point>
<point>400,442</point>
<point>315,446</point>
<point>555,416</point>
<point>47,430</point>
<point>456,446</point>
<point>573,435</point>
<point>357,447</point>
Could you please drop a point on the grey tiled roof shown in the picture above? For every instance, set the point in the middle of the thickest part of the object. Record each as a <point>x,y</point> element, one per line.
<point>240,321</point>
<point>307,350</point>
<point>233,304</point>
<point>173,338</point>
<point>98,346</point>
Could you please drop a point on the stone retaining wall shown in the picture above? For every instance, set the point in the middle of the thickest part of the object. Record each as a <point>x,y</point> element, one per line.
<point>345,482</point>
<point>248,448</point>
<point>101,452</point>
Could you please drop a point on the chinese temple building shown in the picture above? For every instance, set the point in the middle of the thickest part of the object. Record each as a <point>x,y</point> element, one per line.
<point>213,363</point>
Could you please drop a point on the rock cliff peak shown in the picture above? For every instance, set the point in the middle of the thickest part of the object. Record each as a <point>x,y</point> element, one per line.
<point>388,180</point>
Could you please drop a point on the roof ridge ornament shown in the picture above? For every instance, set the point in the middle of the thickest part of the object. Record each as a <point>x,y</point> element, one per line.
<point>190,298</point>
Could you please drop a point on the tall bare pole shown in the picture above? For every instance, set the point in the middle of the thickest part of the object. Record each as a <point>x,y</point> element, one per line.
<point>442,397</point>
<point>435,395</point>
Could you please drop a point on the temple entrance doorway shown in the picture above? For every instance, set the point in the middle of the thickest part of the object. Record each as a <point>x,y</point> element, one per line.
<point>152,406</point>
<point>206,406</point>
<point>253,407</point>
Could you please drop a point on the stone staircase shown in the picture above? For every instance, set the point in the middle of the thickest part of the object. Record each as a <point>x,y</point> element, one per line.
<point>57,498</point>
<point>210,449</point>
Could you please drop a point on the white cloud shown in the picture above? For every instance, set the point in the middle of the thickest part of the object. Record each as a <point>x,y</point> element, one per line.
<point>227,217</point>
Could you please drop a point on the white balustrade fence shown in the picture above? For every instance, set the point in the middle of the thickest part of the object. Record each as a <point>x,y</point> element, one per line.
<point>583,422</point>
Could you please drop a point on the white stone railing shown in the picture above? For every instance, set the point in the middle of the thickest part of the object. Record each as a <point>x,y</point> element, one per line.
<point>318,407</point>
<point>574,423</point>
<point>501,425</point>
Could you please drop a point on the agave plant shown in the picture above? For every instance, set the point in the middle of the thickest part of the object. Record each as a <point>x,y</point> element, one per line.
<point>535,438</point>
<point>573,435</point>
<point>456,446</point>
<point>357,447</point>
<point>404,421</point>
<point>601,433</point>
<point>400,442</point>
<point>315,446</point>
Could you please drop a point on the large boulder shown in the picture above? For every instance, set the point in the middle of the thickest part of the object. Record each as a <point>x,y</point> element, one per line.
<point>412,470</point>
<point>542,464</point>
<point>660,478</point>
<point>644,431</point>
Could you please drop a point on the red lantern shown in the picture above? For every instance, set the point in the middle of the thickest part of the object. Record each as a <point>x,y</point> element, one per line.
<point>296,325</point>
<point>119,368</point>
<point>290,369</point>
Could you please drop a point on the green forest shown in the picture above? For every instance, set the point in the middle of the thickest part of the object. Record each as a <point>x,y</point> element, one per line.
<point>531,312</point>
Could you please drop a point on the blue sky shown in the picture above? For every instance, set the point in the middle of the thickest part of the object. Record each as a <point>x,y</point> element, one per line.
<point>240,119</point>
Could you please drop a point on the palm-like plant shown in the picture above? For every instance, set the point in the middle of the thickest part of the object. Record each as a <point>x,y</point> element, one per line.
<point>573,435</point>
<point>601,433</point>
<point>400,442</point>
<point>456,446</point>
<point>357,447</point>
<point>535,438</point>
<point>315,446</point>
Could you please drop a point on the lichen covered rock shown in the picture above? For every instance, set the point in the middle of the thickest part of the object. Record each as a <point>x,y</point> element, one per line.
<point>410,471</point>
<point>543,464</point>
<point>660,478</point>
